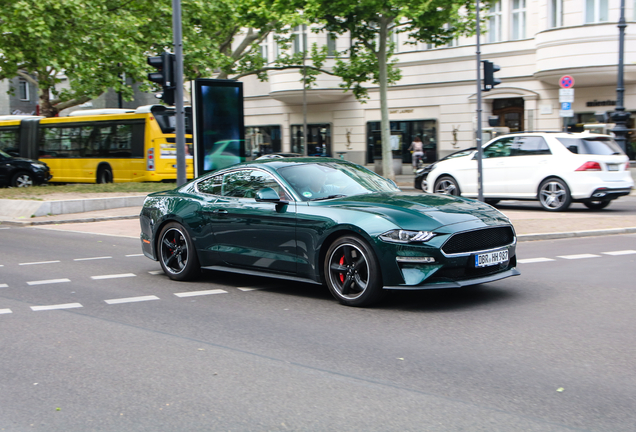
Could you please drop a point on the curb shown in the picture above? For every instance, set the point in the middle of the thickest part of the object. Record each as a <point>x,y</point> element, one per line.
<point>562,235</point>
<point>66,221</point>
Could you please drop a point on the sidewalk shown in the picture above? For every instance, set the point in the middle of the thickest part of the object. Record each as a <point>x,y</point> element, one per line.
<point>531,224</point>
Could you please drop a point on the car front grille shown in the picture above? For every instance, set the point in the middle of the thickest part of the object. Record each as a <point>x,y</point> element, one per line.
<point>478,240</point>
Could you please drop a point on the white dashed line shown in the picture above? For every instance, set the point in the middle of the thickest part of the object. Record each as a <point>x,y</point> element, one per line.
<point>580,256</point>
<point>135,255</point>
<point>48,281</point>
<point>156,272</point>
<point>200,293</point>
<point>4,286</point>
<point>41,262</point>
<point>94,258</point>
<point>131,299</point>
<point>623,252</point>
<point>534,260</point>
<point>5,311</point>
<point>59,306</point>
<point>113,276</point>
<point>247,289</point>
<point>4,228</point>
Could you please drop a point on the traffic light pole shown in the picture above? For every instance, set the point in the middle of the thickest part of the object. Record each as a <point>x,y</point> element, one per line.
<point>480,178</point>
<point>178,83</point>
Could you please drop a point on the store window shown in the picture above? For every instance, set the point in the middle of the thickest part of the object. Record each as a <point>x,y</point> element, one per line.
<point>261,140</point>
<point>510,113</point>
<point>318,139</point>
<point>596,11</point>
<point>402,134</point>
<point>494,22</point>
<point>518,19</point>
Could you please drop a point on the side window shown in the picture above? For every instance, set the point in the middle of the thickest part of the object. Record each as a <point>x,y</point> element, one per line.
<point>529,146</point>
<point>245,184</point>
<point>211,185</point>
<point>500,148</point>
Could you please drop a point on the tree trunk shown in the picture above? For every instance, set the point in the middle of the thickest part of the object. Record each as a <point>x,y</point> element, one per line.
<point>46,108</point>
<point>385,126</point>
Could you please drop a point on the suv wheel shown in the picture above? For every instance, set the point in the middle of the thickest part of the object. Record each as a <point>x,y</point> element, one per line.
<point>22,179</point>
<point>554,195</point>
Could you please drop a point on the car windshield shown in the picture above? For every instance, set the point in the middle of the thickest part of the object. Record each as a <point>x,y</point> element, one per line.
<point>592,145</point>
<point>328,180</point>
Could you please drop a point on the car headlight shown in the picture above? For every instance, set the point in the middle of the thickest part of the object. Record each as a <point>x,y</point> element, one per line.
<point>38,166</point>
<point>405,236</point>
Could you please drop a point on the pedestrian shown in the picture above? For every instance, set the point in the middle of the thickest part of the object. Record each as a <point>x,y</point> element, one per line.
<point>417,150</point>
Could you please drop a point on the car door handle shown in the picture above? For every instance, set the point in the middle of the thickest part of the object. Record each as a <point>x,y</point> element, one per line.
<point>220,211</point>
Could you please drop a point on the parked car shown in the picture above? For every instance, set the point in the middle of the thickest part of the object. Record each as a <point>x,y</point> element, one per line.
<point>554,168</point>
<point>22,172</point>
<point>325,221</point>
<point>422,173</point>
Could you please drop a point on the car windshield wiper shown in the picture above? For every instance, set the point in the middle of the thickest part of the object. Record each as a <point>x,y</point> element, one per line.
<point>328,197</point>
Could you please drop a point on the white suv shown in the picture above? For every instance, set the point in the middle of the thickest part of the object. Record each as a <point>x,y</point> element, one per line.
<point>554,168</point>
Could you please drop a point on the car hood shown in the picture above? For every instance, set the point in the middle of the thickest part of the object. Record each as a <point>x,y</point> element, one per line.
<point>423,211</point>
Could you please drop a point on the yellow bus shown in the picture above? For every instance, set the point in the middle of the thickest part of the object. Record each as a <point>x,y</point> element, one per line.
<point>101,146</point>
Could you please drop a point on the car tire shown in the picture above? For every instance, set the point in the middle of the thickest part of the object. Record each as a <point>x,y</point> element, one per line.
<point>352,272</point>
<point>176,252</point>
<point>104,175</point>
<point>22,179</point>
<point>447,185</point>
<point>417,183</point>
<point>554,195</point>
<point>597,205</point>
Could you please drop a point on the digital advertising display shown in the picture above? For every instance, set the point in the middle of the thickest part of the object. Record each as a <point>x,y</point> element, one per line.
<point>219,132</point>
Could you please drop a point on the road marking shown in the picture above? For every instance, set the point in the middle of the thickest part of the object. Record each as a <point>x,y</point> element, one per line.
<point>41,262</point>
<point>4,286</point>
<point>48,281</point>
<point>200,293</point>
<point>623,252</point>
<point>248,289</point>
<point>59,306</point>
<point>5,228</point>
<point>113,276</point>
<point>534,260</point>
<point>5,311</point>
<point>94,258</point>
<point>135,255</point>
<point>156,272</point>
<point>580,256</point>
<point>131,299</point>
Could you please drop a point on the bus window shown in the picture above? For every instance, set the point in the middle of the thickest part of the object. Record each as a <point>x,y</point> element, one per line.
<point>9,141</point>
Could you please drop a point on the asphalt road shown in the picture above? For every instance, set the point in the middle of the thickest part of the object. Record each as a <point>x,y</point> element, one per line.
<point>624,205</point>
<point>94,339</point>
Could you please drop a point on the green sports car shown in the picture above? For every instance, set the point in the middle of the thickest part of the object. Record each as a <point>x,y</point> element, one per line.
<point>326,221</point>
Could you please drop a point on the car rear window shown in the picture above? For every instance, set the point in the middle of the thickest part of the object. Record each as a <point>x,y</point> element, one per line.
<point>592,145</point>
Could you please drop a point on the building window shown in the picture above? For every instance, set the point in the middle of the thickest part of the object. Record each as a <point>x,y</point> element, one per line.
<point>331,44</point>
<point>23,90</point>
<point>262,140</point>
<point>596,11</point>
<point>402,134</point>
<point>518,19</point>
<point>555,13</point>
<point>494,22</point>
<point>264,48</point>
<point>318,139</point>
<point>300,39</point>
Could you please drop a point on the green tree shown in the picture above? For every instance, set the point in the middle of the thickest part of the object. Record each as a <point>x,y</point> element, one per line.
<point>91,42</point>
<point>369,24</point>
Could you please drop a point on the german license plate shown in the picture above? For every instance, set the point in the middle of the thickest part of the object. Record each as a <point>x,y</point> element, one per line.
<point>491,258</point>
<point>612,167</point>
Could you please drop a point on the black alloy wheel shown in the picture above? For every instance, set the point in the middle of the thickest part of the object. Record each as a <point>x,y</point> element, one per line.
<point>597,205</point>
<point>176,253</point>
<point>447,185</point>
<point>352,272</point>
<point>22,179</point>
<point>554,195</point>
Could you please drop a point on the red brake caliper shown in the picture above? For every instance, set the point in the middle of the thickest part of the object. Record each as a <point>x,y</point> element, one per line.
<point>341,274</point>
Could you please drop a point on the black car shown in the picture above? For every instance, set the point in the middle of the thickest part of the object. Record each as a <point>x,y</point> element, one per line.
<point>22,172</point>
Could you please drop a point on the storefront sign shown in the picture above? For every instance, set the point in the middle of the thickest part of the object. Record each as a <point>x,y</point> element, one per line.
<point>401,111</point>
<point>596,103</point>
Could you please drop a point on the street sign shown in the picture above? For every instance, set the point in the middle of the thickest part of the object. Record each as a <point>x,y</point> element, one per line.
<point>566,95</point>
<point>566,106</point>
<point>566,82</point>
<point>566,113</point>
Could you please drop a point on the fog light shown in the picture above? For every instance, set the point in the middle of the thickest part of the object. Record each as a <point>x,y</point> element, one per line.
<point>415,260</point>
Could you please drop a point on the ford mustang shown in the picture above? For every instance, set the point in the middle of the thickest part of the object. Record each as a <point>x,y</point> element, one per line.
<point>325,221</point>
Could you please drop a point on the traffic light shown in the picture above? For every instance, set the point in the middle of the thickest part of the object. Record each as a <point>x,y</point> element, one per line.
<point>164,75</point>
<point>489,75</point>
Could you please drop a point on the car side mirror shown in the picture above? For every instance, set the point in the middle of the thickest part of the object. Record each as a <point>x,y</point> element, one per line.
<point>573,149</point>
<point>267,195</point>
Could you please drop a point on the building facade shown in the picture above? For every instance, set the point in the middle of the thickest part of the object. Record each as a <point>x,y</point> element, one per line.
<point>534,42</point>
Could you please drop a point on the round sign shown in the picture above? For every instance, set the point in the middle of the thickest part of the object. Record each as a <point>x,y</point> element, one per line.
<point>566,81</point>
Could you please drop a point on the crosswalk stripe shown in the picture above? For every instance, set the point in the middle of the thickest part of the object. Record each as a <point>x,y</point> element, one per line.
<point>200,293</point>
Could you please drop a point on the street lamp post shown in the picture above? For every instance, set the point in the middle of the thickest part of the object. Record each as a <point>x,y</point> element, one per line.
<point>620,116</point>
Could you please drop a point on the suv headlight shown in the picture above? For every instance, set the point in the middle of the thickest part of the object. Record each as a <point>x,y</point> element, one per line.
<point>405,236</point>
<point>38,166</point>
